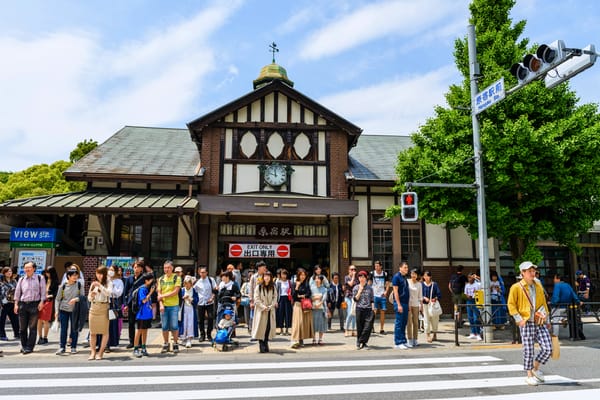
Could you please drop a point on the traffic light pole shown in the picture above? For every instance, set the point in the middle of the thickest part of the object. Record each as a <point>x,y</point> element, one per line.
<point>484,262</point>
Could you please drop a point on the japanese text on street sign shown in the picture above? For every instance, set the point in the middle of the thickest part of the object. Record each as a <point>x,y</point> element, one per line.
<point>489,96</point>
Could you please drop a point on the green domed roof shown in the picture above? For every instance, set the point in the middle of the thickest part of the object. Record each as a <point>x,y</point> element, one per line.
<point>269,73</point>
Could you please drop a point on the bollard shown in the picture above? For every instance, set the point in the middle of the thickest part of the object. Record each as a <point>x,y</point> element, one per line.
<point>456,324</point>
<point>572,315</point>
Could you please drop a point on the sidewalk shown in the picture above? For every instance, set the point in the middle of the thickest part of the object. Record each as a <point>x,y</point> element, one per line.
<point>334,341</point>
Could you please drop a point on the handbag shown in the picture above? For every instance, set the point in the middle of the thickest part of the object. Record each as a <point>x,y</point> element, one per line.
<point>306,304</point>
<point>112,315</point>
<point>245,301</point>
<point>55,326</point>
<point>555,348</point>
<point>435,308</point>
<point>353,308</point>
<point>45,314</point>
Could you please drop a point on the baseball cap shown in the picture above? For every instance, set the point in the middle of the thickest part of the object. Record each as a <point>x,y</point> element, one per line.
<point>178,269</point>
<point>579,272</point>
<point>228,312</point>
<point>363,273</point>
<point>525,265</point>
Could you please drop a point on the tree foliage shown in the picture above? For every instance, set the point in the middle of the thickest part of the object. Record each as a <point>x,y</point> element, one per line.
<point>43,179</point>
<point>82,149</point>
<point>539,149</point>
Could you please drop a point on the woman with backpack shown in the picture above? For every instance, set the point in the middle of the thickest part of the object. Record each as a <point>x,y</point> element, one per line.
<point>66,299</point>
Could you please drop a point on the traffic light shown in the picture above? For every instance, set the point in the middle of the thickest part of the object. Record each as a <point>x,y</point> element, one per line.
<point>578,63</point>
<point>410,210</point>
<point>536,66</point>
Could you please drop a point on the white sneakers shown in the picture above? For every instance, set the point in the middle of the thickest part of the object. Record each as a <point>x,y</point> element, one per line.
<point>401,347</point>
<point>409,344</point>
<point>531,381</point>
<point>188,344</point>
<point>536,379</point>
<point>474,336</point>
<point>539,375</point>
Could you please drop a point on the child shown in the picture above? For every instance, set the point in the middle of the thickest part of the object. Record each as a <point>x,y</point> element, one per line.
<point>188,324</point>
<point>226,324</point>
<point>144,315</point>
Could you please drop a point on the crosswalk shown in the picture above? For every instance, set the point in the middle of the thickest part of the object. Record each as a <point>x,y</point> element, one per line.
<point>437,377</point>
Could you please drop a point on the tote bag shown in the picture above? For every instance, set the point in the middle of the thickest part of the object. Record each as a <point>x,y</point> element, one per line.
<point>435,308</point>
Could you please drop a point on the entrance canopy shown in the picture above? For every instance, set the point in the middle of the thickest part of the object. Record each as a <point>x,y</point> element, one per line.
<point>103,202</point>
<point>290,206</point>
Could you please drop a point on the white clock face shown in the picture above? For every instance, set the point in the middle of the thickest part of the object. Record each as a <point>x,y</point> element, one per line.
<point>275,175</point>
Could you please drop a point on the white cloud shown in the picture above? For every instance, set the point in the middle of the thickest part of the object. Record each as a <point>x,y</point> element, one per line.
<point>64,87</point>
<point>401,17</point>
<point>396,107</point>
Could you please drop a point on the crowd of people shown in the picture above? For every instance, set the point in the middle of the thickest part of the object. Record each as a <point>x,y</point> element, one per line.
<point>191,305</point>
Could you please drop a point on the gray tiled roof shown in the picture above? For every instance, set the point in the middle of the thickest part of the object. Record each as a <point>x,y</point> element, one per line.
<point>142,151</point>
<point>375,156</point>
<point>103,202</point>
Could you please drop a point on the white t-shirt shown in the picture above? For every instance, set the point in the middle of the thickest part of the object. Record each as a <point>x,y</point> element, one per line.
<point>378,284</point>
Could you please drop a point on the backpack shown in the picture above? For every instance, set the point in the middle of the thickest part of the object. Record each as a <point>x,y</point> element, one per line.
<point>64,285</point>
<point>455,283</point>
<point>135,304</point>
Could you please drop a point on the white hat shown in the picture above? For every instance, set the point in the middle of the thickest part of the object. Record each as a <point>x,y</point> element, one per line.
<point>525,265</point>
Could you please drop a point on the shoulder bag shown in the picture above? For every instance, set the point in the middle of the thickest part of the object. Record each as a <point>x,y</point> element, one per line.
<point>306,304</point>
<point>435,308</point>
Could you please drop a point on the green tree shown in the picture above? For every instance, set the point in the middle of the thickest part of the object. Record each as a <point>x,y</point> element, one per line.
<point>4,177</point>
<point>82,149</point>
<point>540,149</point>
<point>43,179</point>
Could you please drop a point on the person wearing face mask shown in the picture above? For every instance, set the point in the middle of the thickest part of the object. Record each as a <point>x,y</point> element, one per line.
<point>115,324</point>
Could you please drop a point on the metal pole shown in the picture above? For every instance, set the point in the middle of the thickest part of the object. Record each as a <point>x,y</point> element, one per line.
<point>484,265</point>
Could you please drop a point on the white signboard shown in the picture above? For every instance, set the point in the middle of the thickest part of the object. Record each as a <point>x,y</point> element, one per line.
<point>37,256</point>
<point>489,96</point>
<point>259,250</point>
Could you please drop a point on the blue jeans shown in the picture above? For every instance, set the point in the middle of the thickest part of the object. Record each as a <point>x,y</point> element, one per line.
<point>350,319</point>
<point>64,318</point>
<point>170,318</point>
<point>473,314</point>
<point>400,324</point>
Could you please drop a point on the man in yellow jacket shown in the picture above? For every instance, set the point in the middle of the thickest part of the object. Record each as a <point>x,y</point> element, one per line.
<point>527,304</point>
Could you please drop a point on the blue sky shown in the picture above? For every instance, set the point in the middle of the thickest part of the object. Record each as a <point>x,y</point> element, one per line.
<point>74,70</point>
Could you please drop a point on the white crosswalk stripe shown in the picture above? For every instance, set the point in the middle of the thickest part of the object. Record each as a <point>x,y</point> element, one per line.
<point>433,375</point>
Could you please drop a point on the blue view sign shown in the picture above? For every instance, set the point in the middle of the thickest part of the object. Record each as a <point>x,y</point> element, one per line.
<point>489,96</point>
<point>34,235</point>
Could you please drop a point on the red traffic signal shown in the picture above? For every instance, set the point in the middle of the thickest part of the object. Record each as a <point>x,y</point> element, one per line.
<point>410,210</point>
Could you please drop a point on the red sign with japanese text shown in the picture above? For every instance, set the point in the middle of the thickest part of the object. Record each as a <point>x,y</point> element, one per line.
<point>259,250</point>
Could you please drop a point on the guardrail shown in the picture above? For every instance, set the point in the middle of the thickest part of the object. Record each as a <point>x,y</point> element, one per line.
<point>496,315</point>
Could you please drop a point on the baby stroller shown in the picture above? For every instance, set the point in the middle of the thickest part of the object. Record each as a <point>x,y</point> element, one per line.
<point>223,339</point>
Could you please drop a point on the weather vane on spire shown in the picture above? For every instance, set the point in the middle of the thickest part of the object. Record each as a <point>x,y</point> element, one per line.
<point>274,49</point>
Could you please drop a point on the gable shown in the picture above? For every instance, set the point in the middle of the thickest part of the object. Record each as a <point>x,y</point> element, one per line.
<point>275,103</point>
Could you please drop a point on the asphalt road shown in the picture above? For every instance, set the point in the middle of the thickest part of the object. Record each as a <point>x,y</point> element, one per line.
<point>333,371</point>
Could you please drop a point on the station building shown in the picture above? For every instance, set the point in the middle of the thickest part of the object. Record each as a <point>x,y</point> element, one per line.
<point>272,175</point>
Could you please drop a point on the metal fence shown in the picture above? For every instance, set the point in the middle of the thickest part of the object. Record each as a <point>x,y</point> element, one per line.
<point>496,316</point>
